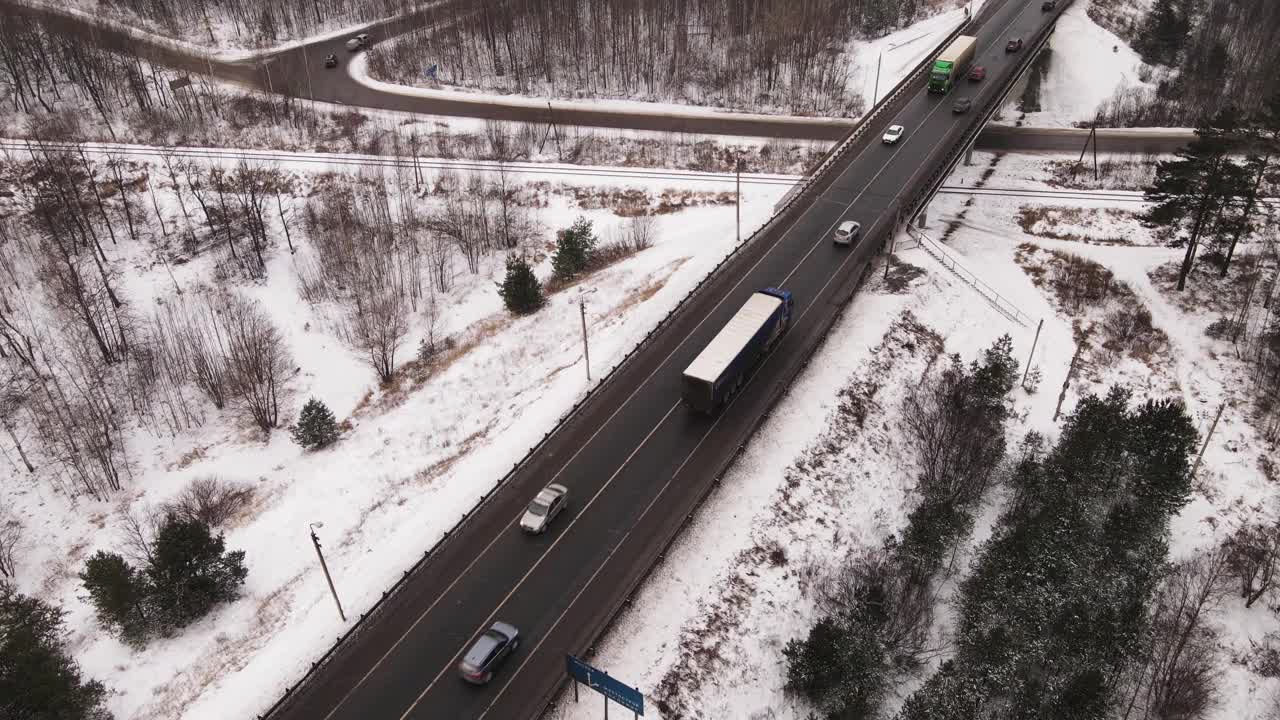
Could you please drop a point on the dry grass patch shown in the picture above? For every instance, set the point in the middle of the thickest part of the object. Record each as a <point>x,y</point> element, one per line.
<point>1105,311</point>
<point>1088,224</point>
<point>901,275</point>
<point>1113,174</point>
<point>415,373</point>
<point>1206,289</point>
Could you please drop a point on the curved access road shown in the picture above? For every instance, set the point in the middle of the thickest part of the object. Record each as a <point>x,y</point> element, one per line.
<point>298,71</point>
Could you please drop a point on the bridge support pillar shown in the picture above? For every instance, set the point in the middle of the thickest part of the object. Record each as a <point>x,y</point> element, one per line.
<point>968,156</point>
<point>923,217</point>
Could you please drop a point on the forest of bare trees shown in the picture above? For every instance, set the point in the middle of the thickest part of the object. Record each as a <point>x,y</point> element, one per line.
<point>1206,54</point>
<point>255,23</point>
<point>780,54</point>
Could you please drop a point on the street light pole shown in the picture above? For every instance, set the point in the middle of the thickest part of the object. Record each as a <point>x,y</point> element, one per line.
<point>737,197</point>
<point>316,541</point>
<point>875,95</point>
<point>582,310</point>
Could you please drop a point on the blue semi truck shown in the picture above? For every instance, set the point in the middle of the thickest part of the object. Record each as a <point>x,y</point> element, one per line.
<point>722,367</point>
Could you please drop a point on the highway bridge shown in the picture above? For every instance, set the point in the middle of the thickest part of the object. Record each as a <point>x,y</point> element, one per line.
<point>637,461</point>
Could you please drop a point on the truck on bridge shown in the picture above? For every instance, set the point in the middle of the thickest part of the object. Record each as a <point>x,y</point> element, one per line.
<point>949,65</point>
<point>722,367</point>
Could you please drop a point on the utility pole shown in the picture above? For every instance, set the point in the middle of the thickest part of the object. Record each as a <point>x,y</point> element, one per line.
<point>737,196</point>
<point>875,95</point>
<point>1033,352</point>
<point>306,67</point>
<point>582,310</point>
<point>316,541</point>
<point>1065,383</point>
<point>1207,438</point>
<point>1092,137</point>
<point>556,128</point>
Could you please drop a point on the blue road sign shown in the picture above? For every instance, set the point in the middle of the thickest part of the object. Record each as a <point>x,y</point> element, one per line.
<point>599,680</point>
<point>431,71</point>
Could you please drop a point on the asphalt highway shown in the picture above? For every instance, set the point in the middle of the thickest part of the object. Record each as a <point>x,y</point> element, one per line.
<point>636,461</point>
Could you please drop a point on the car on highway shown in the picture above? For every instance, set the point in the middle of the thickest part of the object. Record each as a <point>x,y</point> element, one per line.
<point>893,134</point>
<point>487,653</point>
<point>979,72</point>
<point>847,233</point>
<point>544,508</point>
<point>330,60</point>
<point>1014,45</point>
<point>1048,5</point>
<point>358,42</point>
<point>962,105</point>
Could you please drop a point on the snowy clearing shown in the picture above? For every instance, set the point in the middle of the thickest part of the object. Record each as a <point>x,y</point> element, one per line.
<point>415,459</point>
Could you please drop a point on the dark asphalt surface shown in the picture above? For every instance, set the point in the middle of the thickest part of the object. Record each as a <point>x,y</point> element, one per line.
<point>299,71</point>
<point>635,460</point>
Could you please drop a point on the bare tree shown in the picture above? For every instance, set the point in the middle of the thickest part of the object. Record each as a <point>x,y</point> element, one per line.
<point>378,319</point>
<point>1177,679</point>
<point>950,424</point>
<point>641,231</point>
<point>10,541</point>
<point>1253,555</point>
<point>258,363</point>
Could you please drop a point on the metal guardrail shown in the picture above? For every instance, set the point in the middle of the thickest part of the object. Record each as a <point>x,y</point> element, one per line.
<point>998,301</point>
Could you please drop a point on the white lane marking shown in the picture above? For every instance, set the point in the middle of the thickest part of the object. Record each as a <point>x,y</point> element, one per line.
<point>566,464</point>
<point>466,570</point>
<point>839,272</point>
<point>561,536</point>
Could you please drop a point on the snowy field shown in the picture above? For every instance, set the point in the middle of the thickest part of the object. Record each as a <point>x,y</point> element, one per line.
<point>414,461</point>
<point>704,638</point>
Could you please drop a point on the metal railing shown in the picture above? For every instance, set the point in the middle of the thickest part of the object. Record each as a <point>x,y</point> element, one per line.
<point>998,301</point>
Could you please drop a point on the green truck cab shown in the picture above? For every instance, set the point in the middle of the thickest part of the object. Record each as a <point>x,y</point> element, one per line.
<point>950,65</point>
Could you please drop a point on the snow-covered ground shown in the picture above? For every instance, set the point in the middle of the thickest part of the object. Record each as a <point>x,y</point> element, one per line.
<point>704,637</point>
<point>413,463</point>
<point>1085,65</point>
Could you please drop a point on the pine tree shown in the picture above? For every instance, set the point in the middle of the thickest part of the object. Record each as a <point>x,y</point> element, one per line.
<point>1190,194</point>
<point>191,571</point>
<point>1163,34</point>
<point>119,594</point>
<point>575,248</point>
<point>38,681</point>
<point>316,426</point>
<point>520,290</point>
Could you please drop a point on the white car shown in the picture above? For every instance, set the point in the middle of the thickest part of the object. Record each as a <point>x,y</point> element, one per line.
<point>544,508</point>
<point>893,134</point>
<point>358,42</point>
<point>847,233</point>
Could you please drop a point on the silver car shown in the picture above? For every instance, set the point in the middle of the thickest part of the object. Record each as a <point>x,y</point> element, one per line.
<point>893,134</point>
<point>544,508</point>
<point>487,653</point>
<point>847,233</point>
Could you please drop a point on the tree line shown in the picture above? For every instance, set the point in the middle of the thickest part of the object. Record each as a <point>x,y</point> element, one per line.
<point>1207,54</point>
<point>257,23</point>
<point>743,54</point>
<point>1058,606</point>
<point>1209,200</point>
<point>878,610</point>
